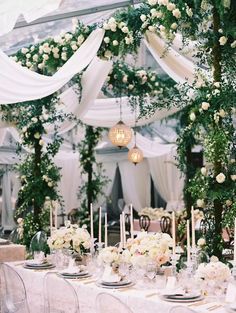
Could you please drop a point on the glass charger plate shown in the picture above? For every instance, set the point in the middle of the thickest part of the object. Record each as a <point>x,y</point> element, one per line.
<point>119,283</point>
<point>74,276</point>
<point>39,267</point>
<point>99,284</point>
<point>183,299</point>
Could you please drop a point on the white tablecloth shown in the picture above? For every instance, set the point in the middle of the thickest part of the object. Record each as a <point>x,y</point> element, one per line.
<point>136,299</point>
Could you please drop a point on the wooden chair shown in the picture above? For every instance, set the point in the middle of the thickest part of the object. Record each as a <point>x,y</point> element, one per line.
<point>127,223</point>
<point>144,222</point>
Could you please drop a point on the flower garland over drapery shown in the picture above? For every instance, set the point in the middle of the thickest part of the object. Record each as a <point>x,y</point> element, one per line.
<point>212,103</point>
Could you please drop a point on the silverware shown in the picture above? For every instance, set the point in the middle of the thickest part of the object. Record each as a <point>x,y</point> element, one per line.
<point>151,295</point>
<point>214,307</point>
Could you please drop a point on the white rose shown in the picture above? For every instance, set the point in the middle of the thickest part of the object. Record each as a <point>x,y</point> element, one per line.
<point>125,79</point>
<point>108,54</point>
<point>68,37</point>
<point>45,57</point>
<point>152,2</point>
<point>192,117</point>
<point>233,177</point>
<point>131,86</point>
<point>50,184</point>
<point>80,39</point>
<point>74,47</point>
<point>171,6</point>
<point>174,26</point>
<point>121,25</point>
<point>176,13</point>
<point>128,40</point>
<point>28,55</point>
<point>55,50</point>
<point>201,242</point>
<point>189,12</point>
<point>34,119</point>
<point>227,3</point>
<point>125,30</point>
<point>40,66</point>
<point>106,39</point>
<point>220,178</point>
<point>222,113</point>
<point>223,40</point>
<point>28,64</point>
<point>35,57</point>
<point>203,171</point>
<point>228,202</point>
<point>115,43</point>
<point>106,26</point>
<point>232,161</point>
<point>24,50</point>
<point>233,44</point>
<point>143,17</point>
<point>41,142</point>
<point>64,56</point>
<point>205,106</point>
<point>200,203</point>
<point>56,56</point>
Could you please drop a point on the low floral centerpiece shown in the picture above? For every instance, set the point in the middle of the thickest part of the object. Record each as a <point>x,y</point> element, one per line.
<point>154,213</point>
<point>146,248</point>
<point>71,237</point>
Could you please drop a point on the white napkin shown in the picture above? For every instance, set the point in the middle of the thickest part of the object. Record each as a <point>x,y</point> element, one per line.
<point>72,268</point>
<point>39,258</point>
<point>109,275</point>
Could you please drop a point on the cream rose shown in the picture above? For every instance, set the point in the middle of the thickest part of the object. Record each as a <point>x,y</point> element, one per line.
<point>205,106</point>
<point>223,40</point>
<point>220,178</point>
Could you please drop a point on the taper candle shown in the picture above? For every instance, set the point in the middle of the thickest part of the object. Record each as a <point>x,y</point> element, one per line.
<point>91,221</point>
<point>188,242</point>
<point>100,226</point>
<point>124,232</point>
<point>121,233</point>
<point>131,221</point>
<point>173,232</point>
<point>106,230</point>
<point>193,229</point>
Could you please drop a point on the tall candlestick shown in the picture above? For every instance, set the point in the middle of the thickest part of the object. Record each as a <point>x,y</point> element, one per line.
<point>131,221</point>
<point>124,232</point>
<point>105,230</point>
<point>91,222</point>
<point>188,242</point>
<point>121,233</point>
<point>55,213</point>
<point>173,232</point>
<point>51,219</point>
<point>193,229</point>
<point>100,226</point>
<point>235,242</point>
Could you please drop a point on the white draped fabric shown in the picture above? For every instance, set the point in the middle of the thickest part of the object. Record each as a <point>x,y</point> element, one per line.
<point>177,66</point>
<point>135,183</point>
<point>167,179</point>
<point>70,180</point>
<point>31,10</point>
<point>19,84</point>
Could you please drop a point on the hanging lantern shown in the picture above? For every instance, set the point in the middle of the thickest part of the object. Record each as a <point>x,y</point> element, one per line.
<point>120,135</point>
<point>135,155</point>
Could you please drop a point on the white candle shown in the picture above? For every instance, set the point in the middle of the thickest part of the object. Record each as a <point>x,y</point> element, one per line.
<point>131,222</point>
<point>51,219</point>
<point>188,242</point>
<point>235,242</point>
<point>105,230</point>
<point>121,233</point>
<point>55,213</point>
<point>173,232</point>
<point>193,229</point>
<point>124,234</point>
<point>91,222</point>
<point>100,226</point>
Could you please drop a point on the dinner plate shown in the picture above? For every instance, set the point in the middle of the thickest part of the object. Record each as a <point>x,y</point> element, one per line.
<point>39,266</point>
<point>118,283</point>
<point>184,299</point>
<point>99,284</point>
<point>74,276</point>
<point>82,273</point>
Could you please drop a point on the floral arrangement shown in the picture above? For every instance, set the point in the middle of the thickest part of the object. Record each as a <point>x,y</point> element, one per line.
<point>71,237</point>
<point>154,213</point>
<point>109,256</point>
<point>147,248</point>
<point>214,271</point>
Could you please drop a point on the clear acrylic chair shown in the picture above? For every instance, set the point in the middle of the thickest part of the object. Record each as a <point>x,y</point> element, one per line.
<point>38,242</point>
<point>59,295</point>
<point>13,293</point>
<point>106,303</point>
<point>181,309</point>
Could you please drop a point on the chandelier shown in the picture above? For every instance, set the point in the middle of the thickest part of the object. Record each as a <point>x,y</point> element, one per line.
<point>120,135</point>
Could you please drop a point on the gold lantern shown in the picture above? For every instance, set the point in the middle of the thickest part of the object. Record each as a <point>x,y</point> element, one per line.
<point>120,135</point>
<point>135,155</point>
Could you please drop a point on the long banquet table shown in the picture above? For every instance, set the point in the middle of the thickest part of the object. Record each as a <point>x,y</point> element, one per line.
<point>138,300</point>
